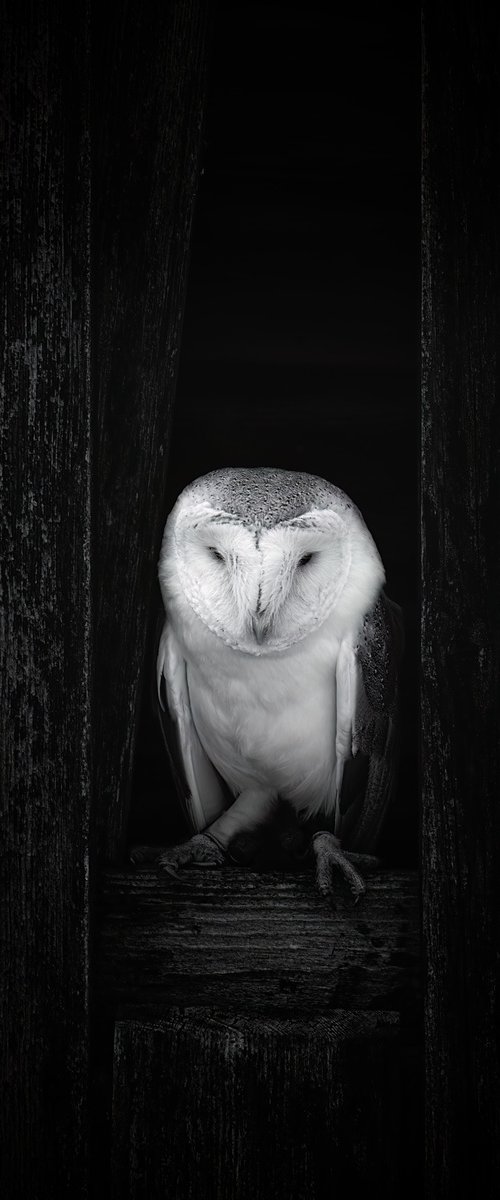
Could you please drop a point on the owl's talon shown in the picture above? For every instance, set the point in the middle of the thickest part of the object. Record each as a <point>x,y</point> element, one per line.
<point>201,850</point>
<point>169,867</point>
<point>143,854</point>
<point>329,858</point>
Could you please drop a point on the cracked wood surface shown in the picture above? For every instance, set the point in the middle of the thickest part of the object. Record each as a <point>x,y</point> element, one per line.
<point>246,939</point>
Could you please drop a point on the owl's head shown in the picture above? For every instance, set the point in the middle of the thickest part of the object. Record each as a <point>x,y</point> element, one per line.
<point>263,557</point>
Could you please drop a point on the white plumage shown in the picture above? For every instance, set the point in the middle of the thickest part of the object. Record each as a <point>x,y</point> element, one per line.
<point>270,580</point>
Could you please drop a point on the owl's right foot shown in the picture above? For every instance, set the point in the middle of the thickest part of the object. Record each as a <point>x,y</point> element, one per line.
<point>233,839</point>
<point>202,850</point>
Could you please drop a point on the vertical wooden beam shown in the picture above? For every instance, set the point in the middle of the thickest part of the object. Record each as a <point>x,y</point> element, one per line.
<point>149,85</point>
<point>461,591</point>
<point>45,597</point>
<point>211,1105</point>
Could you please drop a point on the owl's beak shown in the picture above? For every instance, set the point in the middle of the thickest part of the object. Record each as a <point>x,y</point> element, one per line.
<point>260,628</point>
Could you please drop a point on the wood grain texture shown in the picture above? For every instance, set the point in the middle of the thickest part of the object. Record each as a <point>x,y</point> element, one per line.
<point>213,1106</point>
<point>239,938</point>
<point>148,86</point>
<point>460,627</point>
<point>45,597</point>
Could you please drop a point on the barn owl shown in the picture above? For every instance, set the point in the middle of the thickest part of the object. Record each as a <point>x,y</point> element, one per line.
<point>279,660</point>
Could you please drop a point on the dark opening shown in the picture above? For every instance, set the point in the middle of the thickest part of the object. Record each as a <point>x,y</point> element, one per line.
<point>301,336</point>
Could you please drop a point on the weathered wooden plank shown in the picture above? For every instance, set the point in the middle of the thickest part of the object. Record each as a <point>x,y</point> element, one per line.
<point>148,92</point>
<point>211,1106</point>
<point>45,597</point>
<point>461,586</point>
<point>251,940</point>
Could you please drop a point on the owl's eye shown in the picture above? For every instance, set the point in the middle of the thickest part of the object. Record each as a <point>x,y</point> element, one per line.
<point>215,554</point>
<point>306,558</point>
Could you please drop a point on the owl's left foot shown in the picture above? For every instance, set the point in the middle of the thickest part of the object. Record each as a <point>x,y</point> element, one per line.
<point>330,858</point>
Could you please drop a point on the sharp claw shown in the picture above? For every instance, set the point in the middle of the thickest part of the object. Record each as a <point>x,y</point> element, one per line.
<point>169,868</point>
<point>329,858</point>
<point>141,854</point>
<point>201,850</point>
<point>358,890</point>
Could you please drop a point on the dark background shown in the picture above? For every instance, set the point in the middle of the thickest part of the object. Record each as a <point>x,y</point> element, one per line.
<point>301,338</point>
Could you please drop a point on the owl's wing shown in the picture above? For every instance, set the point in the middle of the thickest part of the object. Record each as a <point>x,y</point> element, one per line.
<point>367,735</point>
<point>199,785</point>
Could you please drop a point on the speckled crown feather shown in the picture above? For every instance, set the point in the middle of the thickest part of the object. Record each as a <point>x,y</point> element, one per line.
<point>267,496</point>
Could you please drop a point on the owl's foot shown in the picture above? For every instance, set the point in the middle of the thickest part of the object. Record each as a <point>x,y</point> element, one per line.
<point>233,839</point>
<point>143,854</point>
<point>330,858</point>
<point>202,850</point>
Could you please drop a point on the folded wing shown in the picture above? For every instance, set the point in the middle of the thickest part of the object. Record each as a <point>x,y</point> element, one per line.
<point>367,735</point>
<point>200,787</point>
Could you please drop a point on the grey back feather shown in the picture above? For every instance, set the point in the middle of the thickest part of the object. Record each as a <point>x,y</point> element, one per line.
<point>370,777</point>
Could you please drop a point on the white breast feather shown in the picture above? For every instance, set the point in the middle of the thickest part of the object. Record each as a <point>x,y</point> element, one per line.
<point>284,721</point>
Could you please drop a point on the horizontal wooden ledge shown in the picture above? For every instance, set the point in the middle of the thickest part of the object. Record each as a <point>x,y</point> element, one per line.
<point>238,938</point>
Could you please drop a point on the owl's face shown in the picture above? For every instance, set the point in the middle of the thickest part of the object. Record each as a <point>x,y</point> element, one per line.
<point>263,588</point>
